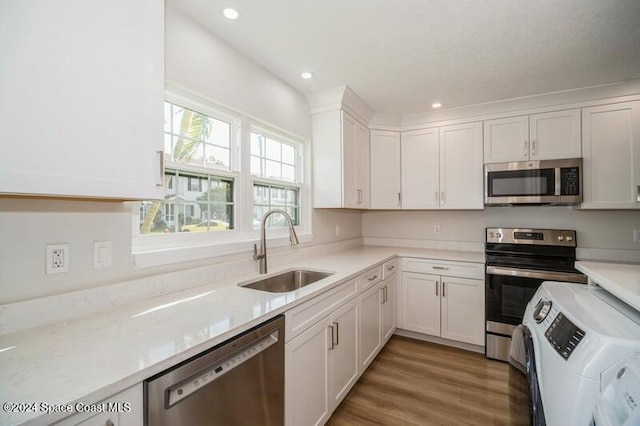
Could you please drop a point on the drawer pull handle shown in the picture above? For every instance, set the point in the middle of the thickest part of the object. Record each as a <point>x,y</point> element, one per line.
<point>443,268</point>
<point>332,343</point>
<point>391,267</point>
<point>161,180</point>
<point>372,278</point>
<point>443,288</point>
<point>109,423</point>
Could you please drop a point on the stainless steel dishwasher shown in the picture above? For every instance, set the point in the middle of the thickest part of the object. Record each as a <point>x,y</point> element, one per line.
<point>239,382</point>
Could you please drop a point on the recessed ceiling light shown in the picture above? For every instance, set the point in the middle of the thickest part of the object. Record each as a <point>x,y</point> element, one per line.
<point>306,75</point>
<point>231,13</point>
<point>436,105</point>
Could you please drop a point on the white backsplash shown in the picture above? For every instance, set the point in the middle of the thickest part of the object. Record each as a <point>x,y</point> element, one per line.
<point>46,310</point>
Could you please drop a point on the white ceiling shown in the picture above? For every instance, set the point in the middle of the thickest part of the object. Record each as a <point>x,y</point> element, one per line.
<point>400,56</point>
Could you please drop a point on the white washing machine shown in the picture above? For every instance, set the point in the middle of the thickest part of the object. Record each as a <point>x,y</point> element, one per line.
<point>577,338</point>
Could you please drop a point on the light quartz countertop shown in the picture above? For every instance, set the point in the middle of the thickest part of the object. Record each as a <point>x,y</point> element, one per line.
<point>621,280</point>
<point>90,358</point>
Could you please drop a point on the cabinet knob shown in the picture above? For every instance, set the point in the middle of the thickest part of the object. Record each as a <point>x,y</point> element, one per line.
<point>109,423</point>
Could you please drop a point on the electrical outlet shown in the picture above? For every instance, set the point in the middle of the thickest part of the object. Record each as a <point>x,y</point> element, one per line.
<point>436,229</point>
<point>57,258</point>
<point>636,236</point>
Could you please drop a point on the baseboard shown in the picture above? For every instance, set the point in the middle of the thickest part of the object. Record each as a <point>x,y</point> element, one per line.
<point>439,340</point>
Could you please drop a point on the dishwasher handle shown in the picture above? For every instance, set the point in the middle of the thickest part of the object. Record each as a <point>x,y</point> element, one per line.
<point>178,392</point>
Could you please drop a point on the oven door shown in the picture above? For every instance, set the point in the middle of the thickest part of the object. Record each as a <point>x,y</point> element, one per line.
<point>508,290</point>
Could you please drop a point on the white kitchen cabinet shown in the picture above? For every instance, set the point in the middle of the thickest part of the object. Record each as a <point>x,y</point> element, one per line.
<point>370,325</point>
<point>421,303</point>
<point>436,302</point>
<point>420,169</point>
<point>611,156</point>
<point>321,354</point>
<point>546,136</point>
<point>341,161</point>
<point>385,170</point>
<point>307,376</point>
<point>344,353</point>
<point>462,310</point>
<point>123,409</point>
<point>442,168</point>
<point>82,98</point>
<point>389,287</point>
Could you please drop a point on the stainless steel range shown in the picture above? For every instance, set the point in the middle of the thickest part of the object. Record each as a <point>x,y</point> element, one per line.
<point>518,260</point>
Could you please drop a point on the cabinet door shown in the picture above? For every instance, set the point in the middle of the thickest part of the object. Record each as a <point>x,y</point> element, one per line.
<point>506,139</point>
<point>82,98</point>
<point>388,307</point>
<point>421,303</point>
<point>385,170</point>
<point>307,376</point>
<point>420,169</point>
<point>370,325</point>
<point>611,155</point>
<point>128,406</point>
<point>350,191</point>
<point>344,355</point>
<point>362,166</point>
<point>463,310</point>
<point>461,175</point>
<point>555,135</point>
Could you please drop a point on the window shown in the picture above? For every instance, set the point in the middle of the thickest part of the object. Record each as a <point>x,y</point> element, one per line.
<point>222,174</point>
<point>275,166</point>
<point>191,137</point>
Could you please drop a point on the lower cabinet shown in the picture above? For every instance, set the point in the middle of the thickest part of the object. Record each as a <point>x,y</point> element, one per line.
<point>447,306</point>
<point>123,409</point>
<point>321,366</point>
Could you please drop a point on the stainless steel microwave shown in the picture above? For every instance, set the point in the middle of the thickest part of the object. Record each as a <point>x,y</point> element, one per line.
<point>553,182</point>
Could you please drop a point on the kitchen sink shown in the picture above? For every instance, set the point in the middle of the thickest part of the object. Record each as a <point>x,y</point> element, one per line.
<point>287,281</point>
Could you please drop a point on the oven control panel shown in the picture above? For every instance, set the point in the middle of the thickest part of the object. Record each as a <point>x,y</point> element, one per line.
<point>564,336</point>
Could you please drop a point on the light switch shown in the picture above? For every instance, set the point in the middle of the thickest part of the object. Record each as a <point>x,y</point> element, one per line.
<point>102,254</point>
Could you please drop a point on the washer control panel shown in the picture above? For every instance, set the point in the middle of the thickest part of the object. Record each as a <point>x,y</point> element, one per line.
<point>564,336</point>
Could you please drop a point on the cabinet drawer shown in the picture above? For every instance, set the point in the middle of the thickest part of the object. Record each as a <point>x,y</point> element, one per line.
<point>304,316</point>
<point>370,278</point>
<point>443,267</point>
<point>389,268</point>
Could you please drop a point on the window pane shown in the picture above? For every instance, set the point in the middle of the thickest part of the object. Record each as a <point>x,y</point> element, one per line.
<point>256,166</point>
<point>273,170</point>
<point>288,154</point>
<point>288,173</point>
<point>192,205</point>
<point>189,131</point>
<point>216,156</point>
<point>266,197</point>
<point>220,133</point>
<point>273,150</point>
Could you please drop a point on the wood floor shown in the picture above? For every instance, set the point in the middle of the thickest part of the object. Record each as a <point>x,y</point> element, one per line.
<point>418,383</point>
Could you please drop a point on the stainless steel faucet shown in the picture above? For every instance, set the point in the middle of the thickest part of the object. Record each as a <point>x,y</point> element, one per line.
<point>262,256</point>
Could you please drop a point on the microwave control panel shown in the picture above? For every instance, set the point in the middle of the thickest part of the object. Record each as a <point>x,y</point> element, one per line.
<point>564,336</point>
<point>570,181</point>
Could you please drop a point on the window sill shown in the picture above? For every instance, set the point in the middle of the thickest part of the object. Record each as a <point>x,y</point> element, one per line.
<point>167,256</point>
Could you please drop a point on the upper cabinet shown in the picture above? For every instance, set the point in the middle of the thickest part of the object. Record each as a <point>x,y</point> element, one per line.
<point>385,170</point>
<point>546,136</point>
<point>442,168</point>
<point>341,161</point>
<point>82,98</point>
<point>611,155</point>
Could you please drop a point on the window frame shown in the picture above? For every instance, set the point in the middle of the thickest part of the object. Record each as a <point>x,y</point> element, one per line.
<point>156,250</point>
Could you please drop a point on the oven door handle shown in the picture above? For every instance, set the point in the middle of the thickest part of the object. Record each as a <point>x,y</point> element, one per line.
<point>543,275</point>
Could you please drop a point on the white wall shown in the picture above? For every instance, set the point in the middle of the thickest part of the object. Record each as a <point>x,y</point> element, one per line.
<point>595,229</point>
<point>198,61</point>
